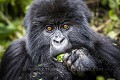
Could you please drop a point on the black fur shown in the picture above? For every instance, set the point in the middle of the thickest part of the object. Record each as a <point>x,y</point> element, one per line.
<point>29,58</point>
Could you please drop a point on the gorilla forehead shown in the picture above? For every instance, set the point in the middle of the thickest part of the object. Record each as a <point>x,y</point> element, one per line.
<point>52,8</point>
<point>43,10</point>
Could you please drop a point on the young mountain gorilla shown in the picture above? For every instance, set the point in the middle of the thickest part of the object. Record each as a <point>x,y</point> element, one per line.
<point>55,27</point>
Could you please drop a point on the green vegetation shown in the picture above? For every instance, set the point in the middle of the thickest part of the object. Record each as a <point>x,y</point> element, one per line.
<point>60,57</point>
<point>100,78</point>
<point>11,20</point>
<point>108,19</point>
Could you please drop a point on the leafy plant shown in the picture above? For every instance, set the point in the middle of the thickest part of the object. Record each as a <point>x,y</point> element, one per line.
<point>11,20</point>
<point>114,12</point>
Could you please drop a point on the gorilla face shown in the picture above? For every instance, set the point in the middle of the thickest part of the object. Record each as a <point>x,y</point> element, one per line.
<point>59,42</point>
<point>60,29</point>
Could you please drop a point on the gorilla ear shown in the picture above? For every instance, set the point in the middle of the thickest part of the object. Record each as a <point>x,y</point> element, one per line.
<point>27,20</point>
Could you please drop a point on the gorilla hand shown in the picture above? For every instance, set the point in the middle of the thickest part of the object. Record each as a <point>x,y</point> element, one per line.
<point>79,61</point>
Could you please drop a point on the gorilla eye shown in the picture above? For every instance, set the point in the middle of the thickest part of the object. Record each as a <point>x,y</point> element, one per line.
<point>66,27</point>
<point>49,28</point>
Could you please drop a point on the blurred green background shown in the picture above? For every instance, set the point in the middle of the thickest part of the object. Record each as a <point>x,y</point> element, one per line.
<point>12,12</point>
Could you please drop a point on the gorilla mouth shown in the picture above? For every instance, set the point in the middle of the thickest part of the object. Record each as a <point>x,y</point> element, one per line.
<point>60,56</point>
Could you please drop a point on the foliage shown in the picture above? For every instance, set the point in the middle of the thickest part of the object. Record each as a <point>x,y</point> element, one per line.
<point>114,12</point>
<point>60,57</point>
<point>108,20</point>
<point>11,19</point>
<point>114,6</point>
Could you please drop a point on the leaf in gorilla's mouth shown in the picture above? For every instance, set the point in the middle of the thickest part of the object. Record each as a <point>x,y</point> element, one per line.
<point>59,57</point>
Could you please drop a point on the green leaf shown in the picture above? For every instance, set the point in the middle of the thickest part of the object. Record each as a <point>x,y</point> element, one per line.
<point>60,57</point>
<point>112,15</point>
<point>112,4</point>
<point>104,2</point>
<point>100,78</point>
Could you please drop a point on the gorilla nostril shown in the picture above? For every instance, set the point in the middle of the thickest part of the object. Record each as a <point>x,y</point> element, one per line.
<point>59,41</point>
<point>56,36</point>
<point>62,40</point>
<point>56,41</point>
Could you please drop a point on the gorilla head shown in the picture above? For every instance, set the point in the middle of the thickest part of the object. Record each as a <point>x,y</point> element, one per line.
<point>57,26</point>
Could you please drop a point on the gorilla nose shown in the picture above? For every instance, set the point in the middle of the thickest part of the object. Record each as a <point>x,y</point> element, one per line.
<point>59,41</point>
